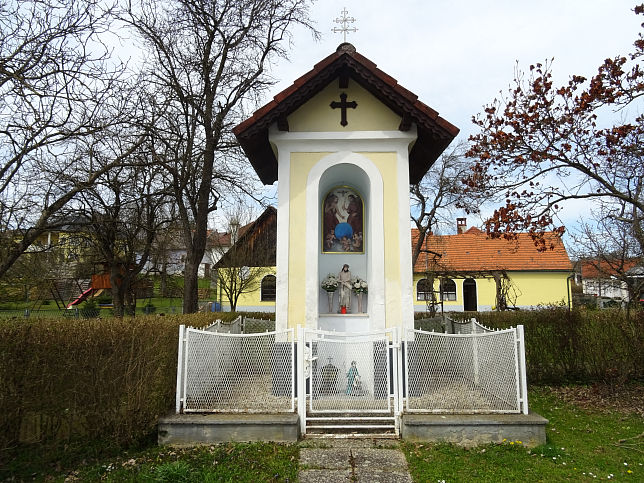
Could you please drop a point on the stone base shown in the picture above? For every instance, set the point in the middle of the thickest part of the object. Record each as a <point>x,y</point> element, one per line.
<point>475,429</point>
<point>194,429</point>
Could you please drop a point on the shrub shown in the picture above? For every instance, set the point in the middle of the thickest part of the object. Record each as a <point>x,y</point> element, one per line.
<point>101,379</point>
<point>90,309</point>
<point>577,346</point>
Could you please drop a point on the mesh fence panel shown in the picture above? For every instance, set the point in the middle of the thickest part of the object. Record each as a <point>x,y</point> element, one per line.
<point>226,372</point>
<point>465,327</point>
<point>252,326</point>
<point>474,373</point>
<point>350,373</point>
<point>233,327</point>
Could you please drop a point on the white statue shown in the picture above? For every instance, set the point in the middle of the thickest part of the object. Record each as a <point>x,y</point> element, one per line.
<point>345,287</point>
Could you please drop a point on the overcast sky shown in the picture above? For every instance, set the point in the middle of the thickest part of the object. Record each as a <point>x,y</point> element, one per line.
<point>456,55</point>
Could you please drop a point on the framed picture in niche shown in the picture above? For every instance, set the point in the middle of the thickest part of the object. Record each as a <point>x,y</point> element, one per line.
<point>343,221</point>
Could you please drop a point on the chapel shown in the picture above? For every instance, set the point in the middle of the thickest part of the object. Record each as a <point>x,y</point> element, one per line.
<point>344,142</point>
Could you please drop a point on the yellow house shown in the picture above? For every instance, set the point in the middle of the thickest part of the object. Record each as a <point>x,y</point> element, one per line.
<point>470,271</point>
<point>463,272</point>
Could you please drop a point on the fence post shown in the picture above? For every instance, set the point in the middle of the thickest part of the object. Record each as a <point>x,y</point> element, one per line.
<point>182,329</point>
<point>475,351</point>
<point>301,379</point>
<point>522,368</point>
<point>291,333</point>
<point>398,374</point>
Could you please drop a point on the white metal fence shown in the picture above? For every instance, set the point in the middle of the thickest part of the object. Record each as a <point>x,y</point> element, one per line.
<point>477,370</point>
<point>348,372</point>
<point>467,327</point>
<point>223,372</point>
<point>481,372</point>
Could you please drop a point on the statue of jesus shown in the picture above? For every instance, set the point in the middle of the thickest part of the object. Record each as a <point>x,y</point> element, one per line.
<point>345,287</point>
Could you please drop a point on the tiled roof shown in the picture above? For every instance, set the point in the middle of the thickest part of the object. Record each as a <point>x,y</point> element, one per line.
<point>217,239</point>
<point>434,132</point>
<point>594,268</point>
<point>474,251</point>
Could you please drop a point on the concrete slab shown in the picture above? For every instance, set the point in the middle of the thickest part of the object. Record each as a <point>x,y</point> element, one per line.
<point>349,443</point>
<point>194,429</point>
<point>353,464</point>
<point>379,459</point>
<point>332,458</point>
<point>474,429</point>
<point>324,476</point>
<point>375,476</point>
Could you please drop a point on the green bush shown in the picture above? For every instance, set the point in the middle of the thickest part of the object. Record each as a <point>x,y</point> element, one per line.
<point>110,379</point>
<point>90,309</point>
<point>577,346</point>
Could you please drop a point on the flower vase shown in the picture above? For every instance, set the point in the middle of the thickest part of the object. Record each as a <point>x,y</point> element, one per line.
<point>330,298</point>
<point>359,302</point>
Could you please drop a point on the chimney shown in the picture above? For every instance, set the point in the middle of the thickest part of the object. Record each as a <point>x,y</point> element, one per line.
<point>461,225</point>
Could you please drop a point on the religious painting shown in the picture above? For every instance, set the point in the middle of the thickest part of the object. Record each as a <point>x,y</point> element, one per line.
<point>342,221</point>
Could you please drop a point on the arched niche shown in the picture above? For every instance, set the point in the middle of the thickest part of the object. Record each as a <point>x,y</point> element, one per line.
<point>358,173</point>
<point>343,180</point>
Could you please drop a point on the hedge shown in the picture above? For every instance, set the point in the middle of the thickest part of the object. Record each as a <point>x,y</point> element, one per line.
<point>577,346</point>
<point>101,379</point>
<point>64,379</point>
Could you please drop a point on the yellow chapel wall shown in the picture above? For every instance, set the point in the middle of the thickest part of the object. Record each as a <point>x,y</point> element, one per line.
<point>317,116</point>
<point>301,164</point>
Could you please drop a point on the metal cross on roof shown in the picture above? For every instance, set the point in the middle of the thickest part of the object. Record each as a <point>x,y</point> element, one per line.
<point>344,21</point>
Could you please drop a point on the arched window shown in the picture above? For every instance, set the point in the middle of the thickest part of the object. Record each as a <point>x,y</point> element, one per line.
<point>448,289</point>
<point>423,290</point>
<point>268,288</point>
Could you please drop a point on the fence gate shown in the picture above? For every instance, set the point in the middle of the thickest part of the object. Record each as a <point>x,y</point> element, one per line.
<point>348,372</point>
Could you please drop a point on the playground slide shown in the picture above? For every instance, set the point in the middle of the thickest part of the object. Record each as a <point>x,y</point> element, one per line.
<point>82,297</point>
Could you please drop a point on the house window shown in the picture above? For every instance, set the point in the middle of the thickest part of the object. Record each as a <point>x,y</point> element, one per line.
<point>268,288</point>
<point>423,290</point>
<point>448,289</point>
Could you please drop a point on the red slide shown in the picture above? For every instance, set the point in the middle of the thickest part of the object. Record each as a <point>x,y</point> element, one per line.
<point>82,297</point>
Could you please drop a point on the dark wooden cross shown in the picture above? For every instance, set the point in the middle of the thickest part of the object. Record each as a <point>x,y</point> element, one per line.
<point>343,104</point>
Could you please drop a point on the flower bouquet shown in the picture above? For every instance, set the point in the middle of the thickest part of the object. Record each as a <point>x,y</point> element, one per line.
<point>330,283</point>
<point>358,285</point>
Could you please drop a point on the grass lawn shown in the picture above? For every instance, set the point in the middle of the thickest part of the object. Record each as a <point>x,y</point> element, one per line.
<point>582,444</point>
<point>592,435</point>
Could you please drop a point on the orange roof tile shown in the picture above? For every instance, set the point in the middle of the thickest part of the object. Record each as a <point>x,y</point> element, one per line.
<point>474,251</point>
<point>597,268</point>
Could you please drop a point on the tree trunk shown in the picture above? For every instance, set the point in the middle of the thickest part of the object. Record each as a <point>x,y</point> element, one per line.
<point>191,286</point>
<point>117,291</point>
<point>164,279</point>
<point>129,296</point>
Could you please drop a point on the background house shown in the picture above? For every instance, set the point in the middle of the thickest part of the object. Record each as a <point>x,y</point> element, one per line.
<point>245,272</point>
<point>608,278</point>
<point>466,271</point>
<point>470,271</point>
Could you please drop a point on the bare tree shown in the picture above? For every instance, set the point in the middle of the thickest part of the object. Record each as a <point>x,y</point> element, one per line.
<point>437,196</point>
<point>124,215</point>
<point>607,244</point>
<point>55,86</point>
<point>540,145</point>
<point>206,59</point>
